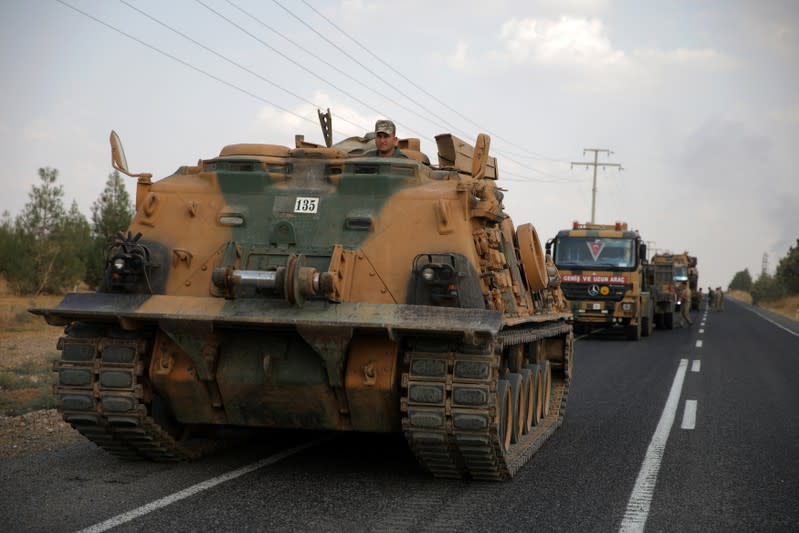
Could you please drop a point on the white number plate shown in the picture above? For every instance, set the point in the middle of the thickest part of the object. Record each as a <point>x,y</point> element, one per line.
<point>596,307</point>
<point>306,204</point>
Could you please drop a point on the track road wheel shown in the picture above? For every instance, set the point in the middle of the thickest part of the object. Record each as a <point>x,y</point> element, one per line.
<point>518,404</point>
<point>546,387</point>
<point>538,393</point>
<point>528,397</point>
<point>505,411</point>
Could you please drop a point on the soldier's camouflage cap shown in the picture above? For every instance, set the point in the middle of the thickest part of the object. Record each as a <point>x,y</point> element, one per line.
<point>385,126</point>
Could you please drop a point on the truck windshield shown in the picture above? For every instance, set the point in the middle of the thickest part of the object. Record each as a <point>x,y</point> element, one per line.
<point>680,273</point>
<point>595,252</point>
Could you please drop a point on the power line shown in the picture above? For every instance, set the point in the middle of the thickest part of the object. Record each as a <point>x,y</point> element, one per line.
<point>287,58</point>
<point>185,63</point>
<point>596,164</point>
<point>321,78</point>
<point>420,88</point>
<point>375,74</point>
<point>244,91</point>
<point>242,67</point>
<point>340,71</point>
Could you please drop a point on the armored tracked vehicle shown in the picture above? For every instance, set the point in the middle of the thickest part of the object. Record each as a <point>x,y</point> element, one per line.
<point>321,287</point>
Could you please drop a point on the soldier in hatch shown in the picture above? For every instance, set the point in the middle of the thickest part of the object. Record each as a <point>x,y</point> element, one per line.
<point>386,140</point>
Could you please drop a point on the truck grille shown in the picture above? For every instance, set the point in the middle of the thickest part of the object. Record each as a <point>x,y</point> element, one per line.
<point>579,291</point>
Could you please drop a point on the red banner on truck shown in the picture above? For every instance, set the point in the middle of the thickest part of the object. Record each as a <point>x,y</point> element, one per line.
<point>592,278</point>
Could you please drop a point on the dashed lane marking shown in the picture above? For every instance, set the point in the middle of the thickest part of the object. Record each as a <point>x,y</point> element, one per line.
<point>695,365</point>
<point>689,415</point>
<point>641,498</point>
<point>701,331</point>
<point>195,489</point>
<point>699,343</point>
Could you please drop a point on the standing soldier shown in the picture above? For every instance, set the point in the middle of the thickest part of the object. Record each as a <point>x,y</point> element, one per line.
<point>700,298</point>
<point>685,306</point>
<point>711,299</point>
<point>719,299</point>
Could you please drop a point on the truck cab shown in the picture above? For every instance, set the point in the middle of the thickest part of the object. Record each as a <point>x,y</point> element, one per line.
<point>603,277</point>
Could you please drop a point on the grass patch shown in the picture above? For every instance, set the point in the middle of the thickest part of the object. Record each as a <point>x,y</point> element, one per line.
<point>27,387</point>
<point>19,402</point>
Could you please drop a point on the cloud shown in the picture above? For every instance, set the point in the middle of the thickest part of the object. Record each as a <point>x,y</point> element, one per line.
<point>273,123</point>
<point>566,41</point>
<point>786,115</point>
<point>703,58</point>
<point>458,59</point>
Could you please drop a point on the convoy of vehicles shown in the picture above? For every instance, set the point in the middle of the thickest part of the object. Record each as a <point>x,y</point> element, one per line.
<point>603,276</point>
<point>320,287</point>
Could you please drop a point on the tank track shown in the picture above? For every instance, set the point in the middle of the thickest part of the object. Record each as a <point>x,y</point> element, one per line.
<point>449,406</point>
<point>101,391</point>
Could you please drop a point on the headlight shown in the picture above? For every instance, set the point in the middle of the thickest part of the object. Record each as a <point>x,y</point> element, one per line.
<point>119,263</point>
<point>428,274</point>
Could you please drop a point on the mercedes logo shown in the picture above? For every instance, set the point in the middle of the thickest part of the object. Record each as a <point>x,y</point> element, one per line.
<point>593,290</point>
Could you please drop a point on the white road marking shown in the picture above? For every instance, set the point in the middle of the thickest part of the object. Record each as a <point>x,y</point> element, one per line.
<point>695,365</point>
<point>641,498</point>
<point>194,489</point>
<point>699,343</point>
<point>764,317</point>
<point>702,323</point>
<point>689,415</point>
<point>701,331</point>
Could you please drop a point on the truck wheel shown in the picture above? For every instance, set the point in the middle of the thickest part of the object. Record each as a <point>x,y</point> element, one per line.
<point>646,326</point>
<point>634,331</point>
<point>669,320</point>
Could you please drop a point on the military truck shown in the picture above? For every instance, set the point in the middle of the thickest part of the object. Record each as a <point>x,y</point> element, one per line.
<point>602,272</point>
<point>320,287</point>
<point>685,271</point>
<point>664,293</point>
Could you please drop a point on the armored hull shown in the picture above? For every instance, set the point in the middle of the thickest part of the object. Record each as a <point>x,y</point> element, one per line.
<point>320,288</point>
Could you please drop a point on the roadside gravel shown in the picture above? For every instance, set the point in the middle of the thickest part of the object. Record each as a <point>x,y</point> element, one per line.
<point>35,432</point>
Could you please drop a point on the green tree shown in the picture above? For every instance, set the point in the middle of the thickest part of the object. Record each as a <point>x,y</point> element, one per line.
<point>741,281</point>
<point>111,212</point>
<point>74,243</point>
<point>788,270</point>
<point>766,289</point>
<point>10,245</point>
<point>40,219</point>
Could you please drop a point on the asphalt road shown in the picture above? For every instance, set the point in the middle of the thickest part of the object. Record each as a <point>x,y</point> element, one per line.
<point>628,457</point>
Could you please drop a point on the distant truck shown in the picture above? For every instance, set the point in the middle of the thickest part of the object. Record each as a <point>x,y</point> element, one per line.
<point>685,270</point>
<point>603,276</point>
<point>664,294</point>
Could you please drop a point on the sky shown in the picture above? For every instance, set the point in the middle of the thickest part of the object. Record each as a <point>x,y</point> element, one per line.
<point>697,100</point>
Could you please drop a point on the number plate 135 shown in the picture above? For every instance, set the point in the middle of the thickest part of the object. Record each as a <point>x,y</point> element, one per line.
<point>306,204</point>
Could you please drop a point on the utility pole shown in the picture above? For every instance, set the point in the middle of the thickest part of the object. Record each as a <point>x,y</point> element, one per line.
<point>764,264</point>
<point>595,164</point>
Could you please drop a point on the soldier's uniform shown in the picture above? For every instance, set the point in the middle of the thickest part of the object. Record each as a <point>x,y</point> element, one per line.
<point>685,306</point>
